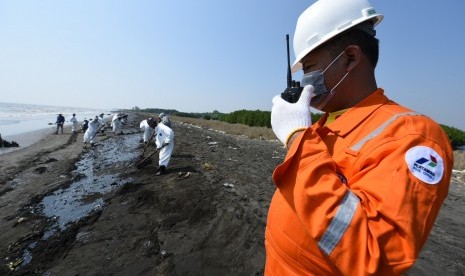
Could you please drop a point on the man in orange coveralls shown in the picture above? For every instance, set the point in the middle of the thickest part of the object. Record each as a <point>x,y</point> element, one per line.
<point>359,190</point>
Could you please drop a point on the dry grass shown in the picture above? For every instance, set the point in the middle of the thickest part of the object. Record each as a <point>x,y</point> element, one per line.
<point>267,133</point>
<point>459,165</point>
<point>235,129</point>
<point>459,160</point>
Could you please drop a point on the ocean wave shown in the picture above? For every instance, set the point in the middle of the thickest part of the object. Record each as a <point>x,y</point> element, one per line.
<point>8,122</point>
<point>20,118</point>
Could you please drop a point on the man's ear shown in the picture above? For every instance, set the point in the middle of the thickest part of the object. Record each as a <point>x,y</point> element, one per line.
<point>354,55</point>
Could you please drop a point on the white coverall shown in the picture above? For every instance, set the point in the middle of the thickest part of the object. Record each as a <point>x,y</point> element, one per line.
<point>144,126</point>
<point>91,131</point>
<point>116,124</point>
<point>166,121</point>
<point>74,122</point>
<point>102,121</point>
<point>164,138</point>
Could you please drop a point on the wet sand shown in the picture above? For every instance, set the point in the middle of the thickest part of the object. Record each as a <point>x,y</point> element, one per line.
<point>26,139</point>
<point>66,210</point>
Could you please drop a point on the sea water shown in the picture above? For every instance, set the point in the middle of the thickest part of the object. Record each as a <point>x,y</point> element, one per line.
<point>17,118</point>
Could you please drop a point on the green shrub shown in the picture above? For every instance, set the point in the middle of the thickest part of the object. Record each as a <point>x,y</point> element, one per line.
<point>248,117</point>
<point>456,136</point>
<point>258,118</point>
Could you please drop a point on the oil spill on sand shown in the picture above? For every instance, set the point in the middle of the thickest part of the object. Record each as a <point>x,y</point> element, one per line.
<point>95,176</point>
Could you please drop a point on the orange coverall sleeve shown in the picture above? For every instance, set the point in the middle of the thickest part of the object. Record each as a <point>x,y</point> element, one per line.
<point>393,211</point>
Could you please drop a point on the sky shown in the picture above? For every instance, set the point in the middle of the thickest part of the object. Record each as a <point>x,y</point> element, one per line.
<point>206,55</point>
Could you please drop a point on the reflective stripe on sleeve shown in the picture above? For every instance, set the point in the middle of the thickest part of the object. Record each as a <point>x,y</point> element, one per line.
<point>377,131</point>
<point>339,223</point>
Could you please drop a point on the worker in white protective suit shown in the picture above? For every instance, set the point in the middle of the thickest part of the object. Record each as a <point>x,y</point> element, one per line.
<point>74,123</point>
<point>164,119</point>
<point>164,139</point>
<point>148,127</point>
<point>91,132</point>
<point>116,124</point>
<point>124,118</point>
<point>102,122</point>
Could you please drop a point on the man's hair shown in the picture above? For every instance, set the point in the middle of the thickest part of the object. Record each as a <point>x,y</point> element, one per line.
<point>367,42</point>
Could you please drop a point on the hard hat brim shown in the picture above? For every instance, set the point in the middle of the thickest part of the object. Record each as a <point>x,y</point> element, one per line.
<point>297,66</point>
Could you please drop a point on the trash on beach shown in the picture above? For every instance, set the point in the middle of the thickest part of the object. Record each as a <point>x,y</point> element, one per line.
<point>212,146</point>
<point>182,175</point>
<point>12,265</point>
<point>228,185</point>
<point>163,254</point>
<point>207,166</point>
<point>20,220</point>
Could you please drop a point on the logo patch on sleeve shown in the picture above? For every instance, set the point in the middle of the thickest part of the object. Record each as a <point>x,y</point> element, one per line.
<point>425,164</point>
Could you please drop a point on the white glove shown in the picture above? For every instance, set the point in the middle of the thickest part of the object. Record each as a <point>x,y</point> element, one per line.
<point>288,118</point>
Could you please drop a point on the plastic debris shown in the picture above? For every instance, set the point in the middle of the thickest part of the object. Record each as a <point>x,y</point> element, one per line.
<point>13,265</point>
<point>182,175</point>
<point>163,254</point>
<point>207,166</point>
<point>228,185</point>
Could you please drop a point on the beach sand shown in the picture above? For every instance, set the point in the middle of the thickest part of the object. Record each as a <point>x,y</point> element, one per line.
<point>26,139</point>
<point>207,216</point>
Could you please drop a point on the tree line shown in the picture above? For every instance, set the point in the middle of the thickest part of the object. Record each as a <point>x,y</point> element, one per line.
<point>247,117</point>
<point>258,118</point>
<point>456,136</point>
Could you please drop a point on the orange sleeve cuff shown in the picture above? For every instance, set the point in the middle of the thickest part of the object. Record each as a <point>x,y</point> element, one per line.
<point>292,134</point>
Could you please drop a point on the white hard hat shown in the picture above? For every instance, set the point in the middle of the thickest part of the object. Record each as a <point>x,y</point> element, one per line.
<point>324,20</point>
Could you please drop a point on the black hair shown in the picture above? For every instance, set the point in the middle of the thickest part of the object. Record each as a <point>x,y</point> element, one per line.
<point>367,42</point>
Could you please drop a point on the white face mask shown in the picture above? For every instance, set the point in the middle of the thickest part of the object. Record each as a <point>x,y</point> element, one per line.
<point>317,80</point>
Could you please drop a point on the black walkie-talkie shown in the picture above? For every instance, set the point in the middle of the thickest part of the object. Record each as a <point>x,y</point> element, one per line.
<point>293,90</point>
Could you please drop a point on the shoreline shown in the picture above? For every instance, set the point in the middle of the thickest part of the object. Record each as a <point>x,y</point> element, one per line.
<point>32,136</point>
<point>29,138</point>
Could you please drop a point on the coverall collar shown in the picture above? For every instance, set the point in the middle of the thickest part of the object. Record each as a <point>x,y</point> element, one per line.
<point>346,123</point>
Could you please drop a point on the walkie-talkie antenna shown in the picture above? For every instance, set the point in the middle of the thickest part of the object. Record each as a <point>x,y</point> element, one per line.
<point>293,90</point>
<point>289,74</point>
